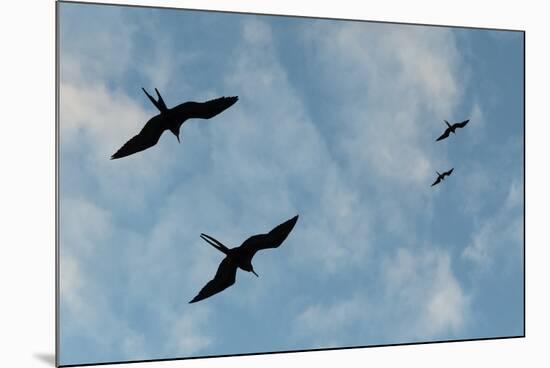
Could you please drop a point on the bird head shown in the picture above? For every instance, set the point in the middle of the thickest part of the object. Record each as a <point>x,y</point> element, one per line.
<point>249,268</point>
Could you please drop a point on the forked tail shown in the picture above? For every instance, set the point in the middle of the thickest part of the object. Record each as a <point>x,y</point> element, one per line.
<point>216,244</point>
<point>158,104</point>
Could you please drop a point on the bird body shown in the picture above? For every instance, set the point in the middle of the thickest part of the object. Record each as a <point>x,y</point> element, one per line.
<point>441,177</point>
<point>241,257</point>
<point>171,120</point>
<point>451,129</point>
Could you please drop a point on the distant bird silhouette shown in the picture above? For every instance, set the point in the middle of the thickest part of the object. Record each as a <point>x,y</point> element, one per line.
<point>241,257</point>
<point>441,177</point>
<point>171,119</point>
<point>451,129</point>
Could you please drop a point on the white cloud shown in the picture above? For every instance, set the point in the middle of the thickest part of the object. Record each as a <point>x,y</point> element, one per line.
<point>85,306</point>
<point>84,225</point>
<point>501,234</point>
<point>94,255</point>
<point>280,144</point>
<point>96,46</point>
<point>70,281</point>
<point>476,125</point>
<point>259,163</point>
<point>256,32</point>
<point>169,252</point>
<point>514,198</point>
<point>418,298</point>
<point>428,300</point>
<point>326,325</point>
<point>94,123</point>
<point>404,79</point>
<point>94,244</point>
<point>106,117</point>
<point>474,182</point>
<point>186,336</point>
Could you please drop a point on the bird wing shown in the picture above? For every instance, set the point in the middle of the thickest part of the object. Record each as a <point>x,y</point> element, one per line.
<point>225,277</point>
<point>448,172</point>
<point>270,240</point>
<point>444,135</point>
<point>462,125</point>
<point>436,181</point>
<point>203,110</point>
<point>147,137</point>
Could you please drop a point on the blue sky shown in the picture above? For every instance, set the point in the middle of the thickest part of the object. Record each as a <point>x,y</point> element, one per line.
<point>336,121</point>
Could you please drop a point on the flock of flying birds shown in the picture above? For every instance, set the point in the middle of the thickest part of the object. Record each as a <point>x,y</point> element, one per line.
<point>172,120</point>
<point>450,129</point>
<point>241,256</point>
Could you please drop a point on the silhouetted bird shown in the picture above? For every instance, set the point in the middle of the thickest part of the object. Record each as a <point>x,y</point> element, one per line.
<point>171,119</point>
<point>451,129</point>
<point>441,177</point>
<point>241,257</point>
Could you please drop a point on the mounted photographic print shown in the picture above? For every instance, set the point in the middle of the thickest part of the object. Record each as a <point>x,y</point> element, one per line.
<point>234,183</point>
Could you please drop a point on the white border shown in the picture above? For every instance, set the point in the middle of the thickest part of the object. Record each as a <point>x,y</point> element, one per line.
<point>27,189</point>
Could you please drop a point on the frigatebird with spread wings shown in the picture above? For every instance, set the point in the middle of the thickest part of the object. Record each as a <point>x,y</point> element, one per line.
<point>241,257</point>
<point>441,177</point>
<point>171,119</point>
<point>451,129</point>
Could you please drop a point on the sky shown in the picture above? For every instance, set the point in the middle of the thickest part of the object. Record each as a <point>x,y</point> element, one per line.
<point>336,121</point>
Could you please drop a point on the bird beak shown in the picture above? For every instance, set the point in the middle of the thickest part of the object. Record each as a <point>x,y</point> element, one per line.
<point>254,272</point>
<point>178,137</point>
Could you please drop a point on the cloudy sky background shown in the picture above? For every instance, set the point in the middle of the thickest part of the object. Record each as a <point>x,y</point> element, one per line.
<point>336,122</point>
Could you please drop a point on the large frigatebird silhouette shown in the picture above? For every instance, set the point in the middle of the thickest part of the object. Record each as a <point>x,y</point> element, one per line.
<point>451,129</point>
<point>241,257</point>
<point>171,119</point>
<point>441,177</point>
